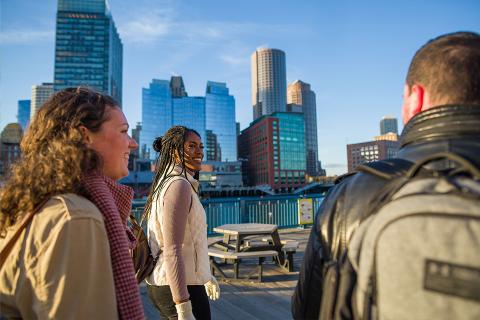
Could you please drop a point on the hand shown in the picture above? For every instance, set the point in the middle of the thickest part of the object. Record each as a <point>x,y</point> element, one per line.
<point>184,311</point>
<point>212,288</point>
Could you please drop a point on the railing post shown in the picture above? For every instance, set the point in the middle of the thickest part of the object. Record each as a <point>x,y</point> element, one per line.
<point>243,212</point>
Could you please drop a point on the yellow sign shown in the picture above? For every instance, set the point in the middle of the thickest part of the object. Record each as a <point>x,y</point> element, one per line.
<point>305,211</point>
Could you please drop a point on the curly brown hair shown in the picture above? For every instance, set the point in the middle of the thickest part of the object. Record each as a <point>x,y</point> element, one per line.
<point>54,155</point>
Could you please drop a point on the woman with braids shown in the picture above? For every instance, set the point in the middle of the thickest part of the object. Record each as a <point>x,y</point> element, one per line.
<point>71,260</point>
<point>181,282</point>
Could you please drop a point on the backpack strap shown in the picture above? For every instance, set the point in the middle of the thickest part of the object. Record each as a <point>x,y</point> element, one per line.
<point>343,177</point>
<point>464,165</point>
<point>386,169</point>
<point>391,170</point>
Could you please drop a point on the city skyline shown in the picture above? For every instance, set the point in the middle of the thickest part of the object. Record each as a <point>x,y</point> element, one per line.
<point>354,55</point>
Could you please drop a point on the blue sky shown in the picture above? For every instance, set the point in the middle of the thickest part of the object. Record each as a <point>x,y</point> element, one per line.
<point>353,53</point>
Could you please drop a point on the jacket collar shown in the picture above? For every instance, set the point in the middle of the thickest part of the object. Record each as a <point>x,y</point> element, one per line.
<point>442,122</point>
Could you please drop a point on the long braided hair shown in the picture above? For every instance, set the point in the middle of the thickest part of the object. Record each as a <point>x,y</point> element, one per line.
<point>170,146</point>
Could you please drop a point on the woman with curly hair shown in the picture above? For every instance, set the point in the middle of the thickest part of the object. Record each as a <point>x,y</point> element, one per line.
<point>181,282</point>
<point>71,260</point>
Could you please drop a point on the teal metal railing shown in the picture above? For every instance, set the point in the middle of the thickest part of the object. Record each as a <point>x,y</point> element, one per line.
<point>279,210</point>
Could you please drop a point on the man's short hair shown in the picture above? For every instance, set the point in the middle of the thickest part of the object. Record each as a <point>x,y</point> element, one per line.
<point>448,67</point>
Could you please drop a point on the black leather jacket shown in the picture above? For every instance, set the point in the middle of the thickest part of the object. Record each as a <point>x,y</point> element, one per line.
<point>451,128</point>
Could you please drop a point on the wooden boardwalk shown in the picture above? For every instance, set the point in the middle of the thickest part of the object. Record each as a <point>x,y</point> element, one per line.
<point>251,300</point>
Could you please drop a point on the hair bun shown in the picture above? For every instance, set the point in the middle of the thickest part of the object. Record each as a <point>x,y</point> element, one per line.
<point>157,144</point>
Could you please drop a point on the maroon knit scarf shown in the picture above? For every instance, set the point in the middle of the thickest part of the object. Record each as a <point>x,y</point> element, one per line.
<point>114,201</point>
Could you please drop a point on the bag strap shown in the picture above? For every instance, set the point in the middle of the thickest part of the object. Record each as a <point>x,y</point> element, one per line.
<point>23,224</point>
<point>394,171</point>
<point>386,169</point>
<point>464,164</point>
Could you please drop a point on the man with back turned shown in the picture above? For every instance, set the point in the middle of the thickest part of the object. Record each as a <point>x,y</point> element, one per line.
<point>441,113</point>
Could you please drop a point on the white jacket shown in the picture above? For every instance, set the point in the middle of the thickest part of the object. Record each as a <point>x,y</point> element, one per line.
<point>194,247</point>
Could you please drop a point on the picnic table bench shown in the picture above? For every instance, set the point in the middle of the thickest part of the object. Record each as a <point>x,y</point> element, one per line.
<point>236,257</point>
<point>289,248</point>
<point>241,241</point>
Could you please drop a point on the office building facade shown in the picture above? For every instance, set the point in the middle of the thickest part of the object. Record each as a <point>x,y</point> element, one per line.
<point>387,136</point>
<point>218,174</point>
<point>161,111</point>
<point>214,152</point>
<point>88,49</point>
<point>359,153</point>
<point>166,103</point>
<point>388,124</point>
<point>272,151</point>
<point>40,94</point>
<point>190,112</point>
<point>177,87</point>
<point>157,115</point>
<point>269,82</point>
<point>300,95</point>
<point>23,113</point>
<point>220,119</point>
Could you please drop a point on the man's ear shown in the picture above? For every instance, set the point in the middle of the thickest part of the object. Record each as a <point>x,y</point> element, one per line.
<point>86,134</point>
<point>413,101</point>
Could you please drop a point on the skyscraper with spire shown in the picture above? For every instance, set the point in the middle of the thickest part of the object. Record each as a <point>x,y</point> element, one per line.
<point>269,82</point>
<point>88,49</point>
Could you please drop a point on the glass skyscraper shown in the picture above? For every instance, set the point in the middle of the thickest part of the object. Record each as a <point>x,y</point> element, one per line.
<point>388,124</point>
<point>157,115</point>
<point>272,150</point>
<point>160,111</point>
<point>299,94</point>
<point>269,82</point>
<point>23,115</point>
<point>166,103</point>
<point>88,49</point>
<point>292,141</point>
<point>220,119</point>
<point>190,112</point>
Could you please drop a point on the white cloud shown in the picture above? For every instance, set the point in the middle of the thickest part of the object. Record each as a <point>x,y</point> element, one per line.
<point>235,60</point>
<point>146,27</point>
<point>11,37</point>
<point>166,24</point>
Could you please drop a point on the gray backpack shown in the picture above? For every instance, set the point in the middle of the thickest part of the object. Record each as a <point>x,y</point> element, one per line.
<point>417,256</point>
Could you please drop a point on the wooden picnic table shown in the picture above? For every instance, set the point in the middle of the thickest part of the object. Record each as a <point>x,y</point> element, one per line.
<point>237,233</point>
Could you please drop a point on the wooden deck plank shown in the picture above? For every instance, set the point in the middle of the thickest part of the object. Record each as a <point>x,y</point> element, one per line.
<point>258,301</point>
<point>221,309</point>
<point>230,304</point>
